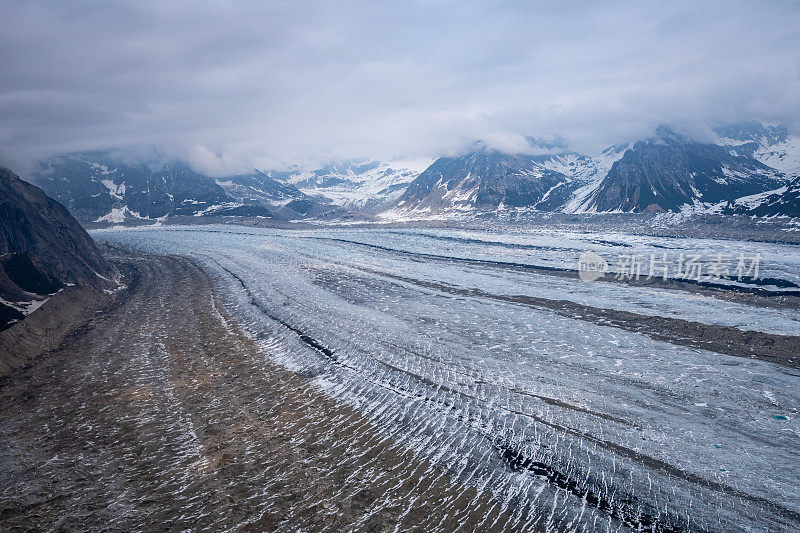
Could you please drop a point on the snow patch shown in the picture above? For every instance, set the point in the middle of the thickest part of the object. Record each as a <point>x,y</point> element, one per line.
<point>118,215</point>
<point>25,307</point>
<point>116,191</point>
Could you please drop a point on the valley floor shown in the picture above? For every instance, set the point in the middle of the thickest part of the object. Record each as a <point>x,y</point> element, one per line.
<point>423,379</point>
<point>162,415</point>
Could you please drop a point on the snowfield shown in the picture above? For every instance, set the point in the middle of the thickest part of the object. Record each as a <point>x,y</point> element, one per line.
<point>571,423</point>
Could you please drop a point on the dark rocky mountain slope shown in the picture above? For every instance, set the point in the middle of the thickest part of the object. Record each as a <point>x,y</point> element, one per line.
<point>783,202</point>
<point>669,172</point>
<point>666,172</point>
<point>482,180</point>
<point>103,187</point>
<point>42,249</point>
<point>97,187</point>
<point>282,199</point>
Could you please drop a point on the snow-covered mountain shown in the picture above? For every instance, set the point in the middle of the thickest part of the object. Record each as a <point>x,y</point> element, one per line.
<point>479,180</point>
<point>773,145</point>
<point>671,172</point>
<point>748,165</point>
<point>783,202</point>
<point>97,187</point>
<point>486,179</point>
<point>282,199</point>
<point>100,187</point>
<point>355,184</point>
<point>586,173</point>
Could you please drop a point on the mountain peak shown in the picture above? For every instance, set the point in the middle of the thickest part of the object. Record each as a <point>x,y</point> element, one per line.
<point>519,145</point>
<point>556,145</point>
<point>668,134</point>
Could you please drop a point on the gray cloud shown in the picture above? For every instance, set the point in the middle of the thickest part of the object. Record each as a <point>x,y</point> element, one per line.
<point>242,83</point>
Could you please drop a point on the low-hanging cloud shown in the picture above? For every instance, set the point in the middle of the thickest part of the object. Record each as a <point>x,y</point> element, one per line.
<point>240,83</point>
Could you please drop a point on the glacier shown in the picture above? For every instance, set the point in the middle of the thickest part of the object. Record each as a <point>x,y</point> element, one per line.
<point>569,424</point>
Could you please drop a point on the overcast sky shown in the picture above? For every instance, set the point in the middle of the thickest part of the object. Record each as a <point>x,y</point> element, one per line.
<point>238,83</point>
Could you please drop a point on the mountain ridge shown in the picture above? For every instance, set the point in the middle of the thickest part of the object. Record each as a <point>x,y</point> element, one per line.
<point>745,164</point>
<point>667,172</point>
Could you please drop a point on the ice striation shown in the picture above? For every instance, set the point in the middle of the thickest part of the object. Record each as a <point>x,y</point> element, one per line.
<point>571,423</point>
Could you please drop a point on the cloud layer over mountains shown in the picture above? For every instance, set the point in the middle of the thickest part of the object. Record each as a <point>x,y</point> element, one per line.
<point>237,84</point>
